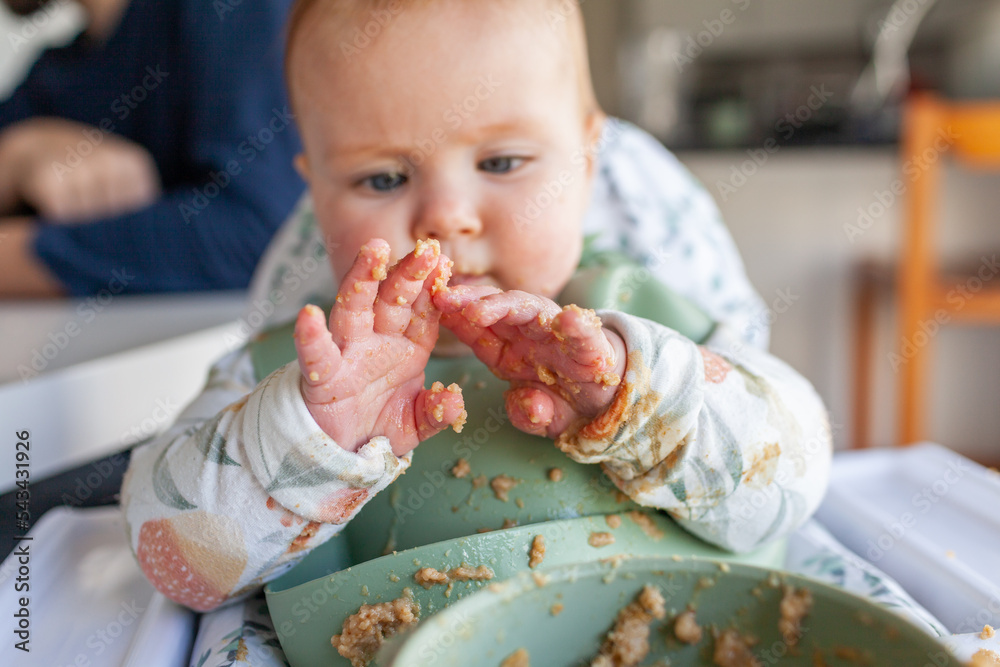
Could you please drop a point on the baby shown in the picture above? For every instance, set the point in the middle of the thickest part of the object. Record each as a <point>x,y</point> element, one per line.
<point>428,145</point>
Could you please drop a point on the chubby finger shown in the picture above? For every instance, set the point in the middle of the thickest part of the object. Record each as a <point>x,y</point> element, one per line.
<point>485,344</point>
<point>353,316</point>
<point>530,410</point>
<point>400,289</point>
<point>454,299</point>
<point>319,357</point>
<point>439,407</point>
<point>582,334</point>
<point>514,308</point>
<point>423,326</point>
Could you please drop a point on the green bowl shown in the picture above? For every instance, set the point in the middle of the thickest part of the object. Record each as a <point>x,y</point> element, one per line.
<point>489,626</point>
<point>310,604</point>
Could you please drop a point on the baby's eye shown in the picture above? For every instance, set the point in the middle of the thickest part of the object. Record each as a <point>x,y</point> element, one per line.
<point>501,165</point>
<point>385,182</point>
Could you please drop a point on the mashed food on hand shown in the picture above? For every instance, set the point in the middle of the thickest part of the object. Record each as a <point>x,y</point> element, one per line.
<point>363,632</point>
<point>628,642</point>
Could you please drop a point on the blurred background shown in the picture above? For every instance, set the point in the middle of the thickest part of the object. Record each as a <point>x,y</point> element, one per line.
<point>782,83</point>
<point>789,112</point>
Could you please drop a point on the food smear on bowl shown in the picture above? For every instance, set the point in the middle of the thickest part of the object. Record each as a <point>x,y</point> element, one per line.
<point>733,650</point>
<point>429,576</point>
<point>364,632</point>
<point>598,540</point>
<point>686,628</point>
<point>537,553</point>
<point>518,658</point>
<point>628,642</point>
<point>795,605</point>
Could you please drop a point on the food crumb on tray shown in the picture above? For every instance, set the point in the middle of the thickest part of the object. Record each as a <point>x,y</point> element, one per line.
<point>537,553</point>
<point>502,485</point>
<point>555,474</point>
<point>628,642</point>
<point>518,658</point>
<point>613,520</point>
<point>461,469</point>
<point>363,632</point>
<point>987,633</point>
<point>598,540</point>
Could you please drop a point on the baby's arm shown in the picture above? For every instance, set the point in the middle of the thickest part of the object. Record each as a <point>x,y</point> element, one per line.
<point>250,479</point>
<point>729,440</point>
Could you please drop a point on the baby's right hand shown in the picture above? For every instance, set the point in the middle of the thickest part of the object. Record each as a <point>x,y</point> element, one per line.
<point>364,376</point>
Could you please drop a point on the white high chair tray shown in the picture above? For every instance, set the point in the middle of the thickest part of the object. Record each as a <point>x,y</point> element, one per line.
<point>89,603</point>
<point>929,518</point>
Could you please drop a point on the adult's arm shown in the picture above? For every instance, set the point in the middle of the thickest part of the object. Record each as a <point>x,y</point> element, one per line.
<point>21,274</point>
<point>239,139</point>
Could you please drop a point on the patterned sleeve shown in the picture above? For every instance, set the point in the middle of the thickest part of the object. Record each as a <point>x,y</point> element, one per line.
<point>227,500</point>
<point>727,439</point>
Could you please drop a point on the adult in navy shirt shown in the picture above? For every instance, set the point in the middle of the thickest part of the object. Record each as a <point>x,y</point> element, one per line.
<point>153,153</point>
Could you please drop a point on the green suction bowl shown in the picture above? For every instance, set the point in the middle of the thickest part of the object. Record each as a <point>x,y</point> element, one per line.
<point>310,604</point>
<point>486,628</point>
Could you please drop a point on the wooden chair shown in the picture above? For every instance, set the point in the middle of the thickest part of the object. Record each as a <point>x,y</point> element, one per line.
<point>935,130</point>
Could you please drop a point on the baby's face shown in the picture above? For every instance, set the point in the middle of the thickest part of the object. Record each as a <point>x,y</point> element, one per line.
<point>454,125</point>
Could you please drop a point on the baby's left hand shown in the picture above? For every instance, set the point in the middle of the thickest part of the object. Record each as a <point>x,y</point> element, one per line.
<point>563,366</point>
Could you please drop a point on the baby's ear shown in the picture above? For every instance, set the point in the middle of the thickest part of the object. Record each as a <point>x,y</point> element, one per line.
<point>301,163</point>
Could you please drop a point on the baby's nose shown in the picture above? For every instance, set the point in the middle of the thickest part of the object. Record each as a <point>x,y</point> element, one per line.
<point>447,218</point>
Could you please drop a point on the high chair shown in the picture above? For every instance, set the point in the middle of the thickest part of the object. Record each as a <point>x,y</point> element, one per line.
<point>935,129</point>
